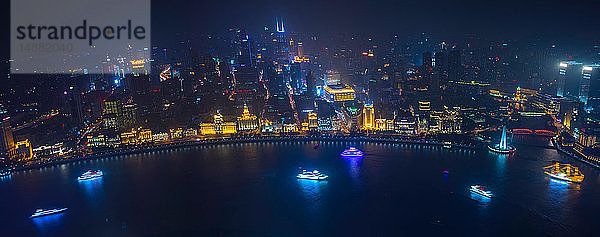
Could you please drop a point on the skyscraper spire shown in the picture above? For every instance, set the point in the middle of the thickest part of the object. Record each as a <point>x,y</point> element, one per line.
<point>280,27</point>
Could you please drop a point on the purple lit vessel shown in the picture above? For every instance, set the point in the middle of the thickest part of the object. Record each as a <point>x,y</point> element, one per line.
<point>352,152</point>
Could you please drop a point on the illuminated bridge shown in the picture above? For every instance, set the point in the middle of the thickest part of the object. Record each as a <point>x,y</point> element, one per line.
<point>525,131</point>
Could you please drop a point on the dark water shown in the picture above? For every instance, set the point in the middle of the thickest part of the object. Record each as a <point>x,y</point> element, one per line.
<point>251,190</point>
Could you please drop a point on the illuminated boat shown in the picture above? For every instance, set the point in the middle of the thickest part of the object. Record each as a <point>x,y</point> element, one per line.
<point>447,145</point>
<point>315,175</point>
<point>90,175</point>
<point>564,172</point>
<point>481,191</point>
<point>5,172</point>
<point>352,152</point>
<point>42,212</point>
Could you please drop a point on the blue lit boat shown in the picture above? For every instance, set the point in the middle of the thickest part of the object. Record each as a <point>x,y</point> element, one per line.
<point>90,175</point>
<point>315,175</point>
<point>352,152</point>
<point>6,172</point>
<point>481,191</point>
<point>42,212</point>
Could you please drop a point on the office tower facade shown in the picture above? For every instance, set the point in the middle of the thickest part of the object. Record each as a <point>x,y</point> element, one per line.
<point>332,78</point>
<point>569,79</point>
<point>7,142</point>
<point>589,93</point>
<point>455,68</point>
<point>427,63</point>
<point>311,85</point>
<point>368,117</point>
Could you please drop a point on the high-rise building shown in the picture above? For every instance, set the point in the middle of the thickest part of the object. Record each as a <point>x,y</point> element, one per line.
<point>6,138</point>
<point>589,93</point>
<point>427,63</point>
<point>569,79</point>
<point>311,85</point>
<point>455,68</point>
<point>368,117</point>
<point>332,78</point>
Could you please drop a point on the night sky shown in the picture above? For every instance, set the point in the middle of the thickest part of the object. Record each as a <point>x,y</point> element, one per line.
<point>569,21</point>
<point>517,19</point>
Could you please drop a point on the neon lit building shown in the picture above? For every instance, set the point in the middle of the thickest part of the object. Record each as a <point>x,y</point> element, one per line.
<point>339,93</point>
<point>368,117</point>
<point>247,121</point>
<point>23,151</point>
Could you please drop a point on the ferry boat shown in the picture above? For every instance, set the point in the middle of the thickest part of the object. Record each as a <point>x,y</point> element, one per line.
<point>564,172</point>
<point>352,152</point>
<point>314,175</point>
<point>447,145</point>
<point>42,212</point>
<point>481,191</point>
<point>90,175</point>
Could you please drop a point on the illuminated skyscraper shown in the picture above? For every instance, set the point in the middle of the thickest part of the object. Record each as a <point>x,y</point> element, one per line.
<point>589,93</point>
<point>332,78</point>
<point>569,79</point>
<point>281,44</point>
<point>368,117</point>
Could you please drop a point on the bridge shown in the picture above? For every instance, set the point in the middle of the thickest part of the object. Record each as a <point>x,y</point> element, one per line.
<point>540,132</point>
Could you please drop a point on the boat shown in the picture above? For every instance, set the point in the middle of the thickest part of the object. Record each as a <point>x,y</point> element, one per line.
<point>447,145</point>
<point>42,212</point>
<point>481,191</point>
<point>314,175</point>
<point>90,175</point>
<point>6,172</point>
<point>565,172</point>
<point>352,152</point>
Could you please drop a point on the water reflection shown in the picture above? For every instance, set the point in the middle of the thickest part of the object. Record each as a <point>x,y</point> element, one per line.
<point>482,200</point>
<point>354,165</point>
<point>48,223</point>
<point>557,189</point>
<point>93,188</point>
<point>5,178</point>
<point>312,191</point>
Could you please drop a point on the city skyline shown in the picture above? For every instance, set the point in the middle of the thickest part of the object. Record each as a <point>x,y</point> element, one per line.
<point>432,116</point>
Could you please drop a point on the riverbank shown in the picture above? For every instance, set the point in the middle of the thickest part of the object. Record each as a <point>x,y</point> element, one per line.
<point>572,155</point>
<point>194,143</point>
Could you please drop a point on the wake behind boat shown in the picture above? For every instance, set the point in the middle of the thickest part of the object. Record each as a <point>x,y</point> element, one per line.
<point>481,191</point>
<point>42,212</point>
<point>90,175</point>
<point>352,152</point>
<point>315,175</point>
